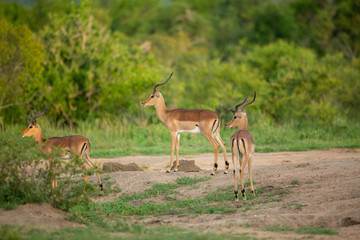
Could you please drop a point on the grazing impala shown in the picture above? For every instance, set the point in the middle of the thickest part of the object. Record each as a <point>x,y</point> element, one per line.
<point>180,121</point>
<point>75,145</point>
<point>242,145</point>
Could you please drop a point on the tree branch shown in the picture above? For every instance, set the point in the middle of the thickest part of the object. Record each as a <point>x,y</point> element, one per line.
<point>18,103</point>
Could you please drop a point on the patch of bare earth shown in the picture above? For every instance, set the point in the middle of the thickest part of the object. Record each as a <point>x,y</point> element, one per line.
<point>42,216</point>
<point>323,191</point>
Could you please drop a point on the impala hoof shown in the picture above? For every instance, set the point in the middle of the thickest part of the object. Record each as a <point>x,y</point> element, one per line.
<point>226,172</point>
<point>167,171</point>
<point>175,170</point>
<point>212,174</point>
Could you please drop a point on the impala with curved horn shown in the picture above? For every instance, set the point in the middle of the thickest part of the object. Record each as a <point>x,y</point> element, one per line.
<point>180,121</point>
<point>75,145</point>
<point>242,145</point>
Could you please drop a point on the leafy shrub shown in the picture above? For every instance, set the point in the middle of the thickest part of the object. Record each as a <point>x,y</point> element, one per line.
<point>19,170</point>
<point>26,175</point>
<point>21,56</point>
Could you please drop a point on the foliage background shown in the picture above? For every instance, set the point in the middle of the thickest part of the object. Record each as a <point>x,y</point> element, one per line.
<point>93,62</point>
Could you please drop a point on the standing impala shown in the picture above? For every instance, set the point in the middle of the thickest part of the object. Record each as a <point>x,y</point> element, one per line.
<point>75,145</point>
<point>242,145</point>
<point>180,121</point>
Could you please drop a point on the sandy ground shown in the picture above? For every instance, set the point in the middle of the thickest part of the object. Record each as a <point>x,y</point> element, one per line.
<point>328,196</point>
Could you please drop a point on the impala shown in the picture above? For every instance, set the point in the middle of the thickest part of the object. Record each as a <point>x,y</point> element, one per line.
<point>75,145</point>
<point>242,145</point>
<point>180,121</point>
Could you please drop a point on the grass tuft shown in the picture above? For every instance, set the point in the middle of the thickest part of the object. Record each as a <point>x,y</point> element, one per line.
<point>302,230</point>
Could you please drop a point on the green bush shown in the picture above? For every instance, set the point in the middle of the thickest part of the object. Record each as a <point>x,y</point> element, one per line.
<point>20,173</point>
<point>97,72</point>
<point>21,56</point>
<point>301,86</point>
<point>26,174</point>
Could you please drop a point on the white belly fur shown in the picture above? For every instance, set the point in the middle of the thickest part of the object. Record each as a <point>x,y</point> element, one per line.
<point>196,130</point>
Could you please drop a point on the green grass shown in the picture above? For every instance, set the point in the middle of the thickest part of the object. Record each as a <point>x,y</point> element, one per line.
<point>214,202</point>
<point>184,181</point>
<point>118,230</point>
<point>295,182</point>
<point>302,230</point>
<point>163,188</point>
<point>124,207</point>
<point>122,137</point>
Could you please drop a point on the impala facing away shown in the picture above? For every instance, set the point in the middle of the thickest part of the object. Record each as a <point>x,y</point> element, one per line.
<point>242,145</point>
<point>75,145</point>
<point>180,121</point>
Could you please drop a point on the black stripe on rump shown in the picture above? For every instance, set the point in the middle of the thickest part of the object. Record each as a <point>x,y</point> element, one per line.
<point>243,141</point>
<point>213,125</point>
<point>83,149</point>
<point>238,146</point>
<point>217,126</point>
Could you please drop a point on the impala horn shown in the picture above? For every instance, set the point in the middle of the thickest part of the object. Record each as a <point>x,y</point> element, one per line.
<point>33,119</point>
<point>239,107</point>
<point>162,83</point>
<point>248,103</point>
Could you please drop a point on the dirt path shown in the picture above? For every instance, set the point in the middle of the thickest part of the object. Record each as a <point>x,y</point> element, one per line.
<point>327,196</point>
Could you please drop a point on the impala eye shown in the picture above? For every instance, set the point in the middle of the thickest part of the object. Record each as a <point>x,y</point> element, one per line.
<point>30,126</point>
<point>152,96</point>
<point>234,117</point>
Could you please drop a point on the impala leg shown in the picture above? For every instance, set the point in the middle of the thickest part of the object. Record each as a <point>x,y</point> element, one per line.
<point>83,155</point>
<point>242,176</point>
<point>173,142</point>
<point>99,180</point>
<point>240,152</point>
<point>250,174</point>
<point>177,148</point>
<point>233,158</point>
<point>54,178</point>
<point>216,149</point>
<point>86,176</point>
<point>88,161</point>
<point>222,145</point>
<point>55,181</point>
<point>51,168</point>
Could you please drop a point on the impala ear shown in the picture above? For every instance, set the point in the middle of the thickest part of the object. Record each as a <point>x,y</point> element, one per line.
<point>35,123</point>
